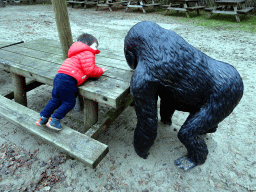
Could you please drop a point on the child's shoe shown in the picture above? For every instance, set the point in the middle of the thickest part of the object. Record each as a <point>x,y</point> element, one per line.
<point>54,123</point>
<point>42,121</point>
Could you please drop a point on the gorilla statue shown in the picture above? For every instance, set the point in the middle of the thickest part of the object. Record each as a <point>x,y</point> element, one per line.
<point>185,79</point>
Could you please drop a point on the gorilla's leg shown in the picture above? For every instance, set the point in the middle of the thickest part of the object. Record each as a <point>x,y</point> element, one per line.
<point>145,102</point>
<point>166,110</point>
<point>189,134</point>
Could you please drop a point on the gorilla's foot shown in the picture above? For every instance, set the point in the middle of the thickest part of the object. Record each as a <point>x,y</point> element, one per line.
<point>185,163</point>
<point>167,121</point>
<point>143,155</point>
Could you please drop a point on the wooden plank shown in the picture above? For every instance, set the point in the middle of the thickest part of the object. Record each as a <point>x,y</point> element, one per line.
<point>245,10</point>
<point>19,83</point>
<point>230,1</point>
<point>53,46</point>
<point>116,69</point>
<point>57,58</point>
<point>32,84</point>
<point>136,6</point>
<point>196,7</point>
<point>172,5</point>
<point>7,44</point>
<point>177,9</point>
<point>103,5</point>
<point>225,12</point>
<point>104,89</point>
<point>111,115</point>
<point>77,145</point>
<point>148,5</point>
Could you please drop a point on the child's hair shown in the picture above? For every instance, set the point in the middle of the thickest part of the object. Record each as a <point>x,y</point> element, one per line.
<point>87,39</point>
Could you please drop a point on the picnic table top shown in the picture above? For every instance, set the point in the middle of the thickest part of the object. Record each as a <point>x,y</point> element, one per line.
<point>229,1</point>
<point>7,43</point>
<point>182,1</point>
<point>40,60</point>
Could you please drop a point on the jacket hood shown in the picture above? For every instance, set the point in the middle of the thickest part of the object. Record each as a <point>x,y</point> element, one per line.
<point>79,47</point>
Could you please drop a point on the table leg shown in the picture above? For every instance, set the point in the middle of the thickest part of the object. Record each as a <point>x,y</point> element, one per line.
<point>214,8</point>
<point>185,6</point>
<point>127,6</point>
<point>19,84</point>
<point>90,114</point>
<point>141,3</point>
<point>237,17</point>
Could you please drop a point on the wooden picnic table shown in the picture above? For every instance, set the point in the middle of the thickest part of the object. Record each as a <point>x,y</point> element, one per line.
<point>40,60</point>
<point>140,4</point>
<point>183,5</point>
<point>233,4</point>
<point>109,3</point>
<point>83,3</point>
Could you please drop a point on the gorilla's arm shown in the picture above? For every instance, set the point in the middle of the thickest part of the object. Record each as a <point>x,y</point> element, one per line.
<point>145,101</point>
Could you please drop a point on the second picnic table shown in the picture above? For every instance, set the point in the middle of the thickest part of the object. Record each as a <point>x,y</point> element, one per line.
<point>234,4</point>
<point>183,5</point>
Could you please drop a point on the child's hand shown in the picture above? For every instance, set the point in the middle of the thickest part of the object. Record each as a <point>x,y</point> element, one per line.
<point>104,70</point>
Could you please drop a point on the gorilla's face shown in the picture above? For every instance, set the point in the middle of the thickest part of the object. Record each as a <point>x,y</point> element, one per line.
<point>130,58</point>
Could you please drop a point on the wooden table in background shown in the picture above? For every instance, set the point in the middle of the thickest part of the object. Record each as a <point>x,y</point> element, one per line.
<point>140,4</point>
<point>234,4</point>
<point>183,5</point>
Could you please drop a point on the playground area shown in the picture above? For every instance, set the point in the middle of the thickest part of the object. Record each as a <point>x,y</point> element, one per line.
<point>29,164</point>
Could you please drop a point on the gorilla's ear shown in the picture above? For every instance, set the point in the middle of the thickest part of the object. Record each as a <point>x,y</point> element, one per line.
<point>131,59</point>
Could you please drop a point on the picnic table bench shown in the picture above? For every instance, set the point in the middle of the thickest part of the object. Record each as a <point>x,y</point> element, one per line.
<point>183,5</point>
<point>223,5</point>
<point>140,4</point>
<point>83,3</point>
<point>109,3</point>
<point>40,60</point>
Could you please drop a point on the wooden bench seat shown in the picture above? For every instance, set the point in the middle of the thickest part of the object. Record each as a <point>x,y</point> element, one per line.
<point>83,3</point>
<point>177,9</point>
<point>196,7</point>
<point>172,5</point>
<point>245,10</point>
<point>77,145</point>
<point>225,12</point>
<point>211,8</point>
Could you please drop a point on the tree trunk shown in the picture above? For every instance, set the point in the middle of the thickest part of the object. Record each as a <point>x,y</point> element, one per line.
<point>2,4</point>
<point>63,25</point>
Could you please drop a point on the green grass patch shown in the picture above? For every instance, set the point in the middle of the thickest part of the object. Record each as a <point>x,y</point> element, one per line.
<point>221,22</point>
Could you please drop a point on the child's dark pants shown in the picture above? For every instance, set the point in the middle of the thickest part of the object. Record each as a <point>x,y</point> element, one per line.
<point>63,97</point>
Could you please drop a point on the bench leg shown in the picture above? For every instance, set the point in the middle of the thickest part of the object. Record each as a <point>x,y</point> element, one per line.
<point>237,19</point>
<point>90,114</point>
<point>208,16</point>
<point>187,14</point>
<point>19,84</point>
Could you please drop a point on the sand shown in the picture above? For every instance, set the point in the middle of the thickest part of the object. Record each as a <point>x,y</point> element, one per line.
<point>27,163</point>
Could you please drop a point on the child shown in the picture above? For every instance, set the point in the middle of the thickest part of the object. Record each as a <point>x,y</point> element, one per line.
<point>76,69</point>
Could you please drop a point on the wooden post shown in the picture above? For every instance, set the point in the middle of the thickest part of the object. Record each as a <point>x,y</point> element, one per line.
<point>2,4</point>
<point>19,84</point>
<point>90,114</point>
<point>63,25</point>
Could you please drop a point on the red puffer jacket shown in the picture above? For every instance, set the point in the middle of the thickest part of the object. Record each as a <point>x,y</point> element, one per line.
<point>80,63</point>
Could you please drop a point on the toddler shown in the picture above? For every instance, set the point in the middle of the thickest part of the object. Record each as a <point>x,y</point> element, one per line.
<point>75,70</point>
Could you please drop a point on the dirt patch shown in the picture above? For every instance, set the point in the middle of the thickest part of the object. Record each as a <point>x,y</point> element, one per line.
<point>28,164</point>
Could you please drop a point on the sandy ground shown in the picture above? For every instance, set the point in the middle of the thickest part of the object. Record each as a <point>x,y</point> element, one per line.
<point>28,164</point>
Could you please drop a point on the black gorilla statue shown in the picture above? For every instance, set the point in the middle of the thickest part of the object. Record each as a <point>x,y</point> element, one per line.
<point>185,79</point>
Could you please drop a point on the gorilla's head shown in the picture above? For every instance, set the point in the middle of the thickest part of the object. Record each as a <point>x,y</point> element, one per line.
<point>145,41</point>
<point>130,57</point>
